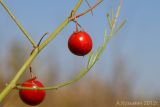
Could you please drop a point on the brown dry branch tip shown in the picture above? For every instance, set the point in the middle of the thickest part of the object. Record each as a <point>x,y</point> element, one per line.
<point>89,6</point>
<point>86,11</point>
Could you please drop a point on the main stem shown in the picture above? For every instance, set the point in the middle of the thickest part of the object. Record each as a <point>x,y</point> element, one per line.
<point>12,84</point>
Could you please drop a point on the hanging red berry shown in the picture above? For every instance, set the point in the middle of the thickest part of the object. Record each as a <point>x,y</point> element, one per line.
<point>80,43</point>
<point>32,97</point>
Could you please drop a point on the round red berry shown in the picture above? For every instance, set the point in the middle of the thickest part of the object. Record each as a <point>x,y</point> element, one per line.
<point>80,43</point>
<point>32,97</point>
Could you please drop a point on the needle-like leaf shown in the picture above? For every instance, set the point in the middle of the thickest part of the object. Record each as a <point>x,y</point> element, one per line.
<point>121,25</point>
<point>90,58</point>
<point>109,21</point>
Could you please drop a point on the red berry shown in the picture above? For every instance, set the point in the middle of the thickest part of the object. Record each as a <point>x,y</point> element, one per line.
<point>32,97</point>
<point>80,43</point>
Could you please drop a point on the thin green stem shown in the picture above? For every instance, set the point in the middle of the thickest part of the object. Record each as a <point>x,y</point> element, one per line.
<point>63,84</point>
<point>18,24</point>
<point>12,84</point>
<point>117,15</point>
<point>59,29</point>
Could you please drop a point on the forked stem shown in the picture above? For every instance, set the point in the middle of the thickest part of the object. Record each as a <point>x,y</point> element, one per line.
<point>18,24</point>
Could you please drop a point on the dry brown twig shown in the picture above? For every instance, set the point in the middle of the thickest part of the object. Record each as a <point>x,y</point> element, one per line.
<point>86,11</point>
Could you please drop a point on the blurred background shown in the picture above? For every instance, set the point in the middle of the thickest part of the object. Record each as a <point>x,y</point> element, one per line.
<point>127,71</point>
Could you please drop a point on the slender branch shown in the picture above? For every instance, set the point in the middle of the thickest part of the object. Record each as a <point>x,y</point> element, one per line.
<point>60,85</point>
<point>13,82</point>
<point>42,38</point>
<point>54,34</point>
<point>18,24</point>
<point>86,11</point>
<point>89,6</point>
<point>117,15</point>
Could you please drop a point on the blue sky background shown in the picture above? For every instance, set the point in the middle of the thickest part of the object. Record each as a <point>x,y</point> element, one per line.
<point>138,42</point>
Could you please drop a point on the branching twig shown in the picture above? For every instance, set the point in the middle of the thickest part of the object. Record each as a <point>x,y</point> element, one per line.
<point>86,11</point>
<point>18,24</point>
<point>89,6</point>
